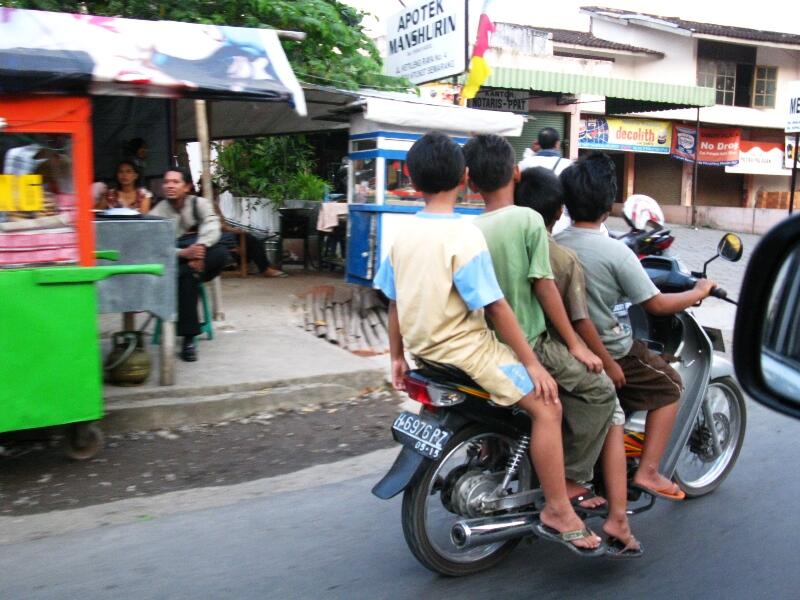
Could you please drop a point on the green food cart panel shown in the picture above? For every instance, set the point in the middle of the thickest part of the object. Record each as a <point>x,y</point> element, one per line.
<point>49,351</point>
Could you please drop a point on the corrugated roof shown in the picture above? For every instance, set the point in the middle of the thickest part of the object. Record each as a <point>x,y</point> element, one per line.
<point>622,95</point>
<point>743,33</point>
<point>577,38</point>
<point>584,38</point>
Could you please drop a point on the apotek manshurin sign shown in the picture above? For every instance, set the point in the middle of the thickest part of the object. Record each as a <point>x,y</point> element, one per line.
<point>427,41</point>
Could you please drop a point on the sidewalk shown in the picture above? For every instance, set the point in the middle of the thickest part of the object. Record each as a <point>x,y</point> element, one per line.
<point>260,358</point>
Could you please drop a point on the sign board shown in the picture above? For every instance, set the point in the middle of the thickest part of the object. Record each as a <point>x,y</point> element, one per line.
<point>759,158</point>
<point>631,135</point>
<point>427,41</point>
<point>507,100</point>
<point>793,106</point>
<point>717,146</point>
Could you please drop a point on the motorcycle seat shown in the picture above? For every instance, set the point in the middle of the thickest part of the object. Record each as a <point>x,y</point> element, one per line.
<point>445,373</point>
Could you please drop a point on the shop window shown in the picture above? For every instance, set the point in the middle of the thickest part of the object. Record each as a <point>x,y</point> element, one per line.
<point>360,145</point>
<point>37,199</point>
<point>398,182</point>
<point>364,180</point>
<point>720,75</point>
<point>732,71</point>
<point>766,82</point>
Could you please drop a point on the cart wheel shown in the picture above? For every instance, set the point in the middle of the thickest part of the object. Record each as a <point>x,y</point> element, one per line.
<point>84,441</point>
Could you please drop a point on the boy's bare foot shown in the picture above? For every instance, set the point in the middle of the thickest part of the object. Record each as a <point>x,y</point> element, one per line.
<point>575,491</point>
<point>655,481</point>
<point>566,520</point>
<point>272,272</point>
<point>620,528</point>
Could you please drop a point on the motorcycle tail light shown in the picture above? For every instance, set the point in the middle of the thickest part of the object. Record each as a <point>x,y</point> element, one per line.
<point>664,243</point>
<point>440,396</point>
<point>417,390</point>
<point>432,395</point>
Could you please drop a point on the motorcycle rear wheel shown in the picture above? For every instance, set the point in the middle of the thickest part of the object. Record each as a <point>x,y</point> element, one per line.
<point>700,469</point>
<point>422,505</point>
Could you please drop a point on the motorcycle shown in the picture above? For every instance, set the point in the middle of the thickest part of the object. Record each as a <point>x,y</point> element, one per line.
<point>470,493</point>
<point>647,235</point>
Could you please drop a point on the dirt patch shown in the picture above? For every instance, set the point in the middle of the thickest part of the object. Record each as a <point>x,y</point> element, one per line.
<point>35,476</point>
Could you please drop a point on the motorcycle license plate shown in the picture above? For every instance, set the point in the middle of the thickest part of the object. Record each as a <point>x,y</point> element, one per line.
<point>419,434</point>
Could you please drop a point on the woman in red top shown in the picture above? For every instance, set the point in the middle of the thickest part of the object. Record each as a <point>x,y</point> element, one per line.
<point>126,194</point>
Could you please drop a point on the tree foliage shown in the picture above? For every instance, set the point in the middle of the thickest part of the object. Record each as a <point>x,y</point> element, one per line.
<point>335,52</point>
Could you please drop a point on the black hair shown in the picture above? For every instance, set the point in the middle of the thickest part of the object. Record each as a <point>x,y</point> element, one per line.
<point>132,165</point>
<point>541,190</point>
<point>548,138</point>
<point>435,163</point>
<point>491,161</point>
<point>185,175</point>
<point>133,145</point>
<point>590,187</point>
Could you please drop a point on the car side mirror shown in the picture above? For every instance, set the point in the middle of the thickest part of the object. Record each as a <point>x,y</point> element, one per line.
<point>730,247</point>
<point>766,337</point>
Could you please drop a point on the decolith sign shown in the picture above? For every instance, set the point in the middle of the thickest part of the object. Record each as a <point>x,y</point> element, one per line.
<point>427,41</point>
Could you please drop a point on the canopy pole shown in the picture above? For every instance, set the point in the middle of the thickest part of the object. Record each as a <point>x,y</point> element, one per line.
<point>201,119</point>
<point>694,168</point>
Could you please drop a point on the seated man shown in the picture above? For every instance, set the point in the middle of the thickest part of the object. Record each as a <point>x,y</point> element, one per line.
<point>644,380</point>
<point>200,258</point>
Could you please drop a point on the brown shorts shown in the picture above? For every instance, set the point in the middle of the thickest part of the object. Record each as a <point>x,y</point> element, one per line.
<point>650,382</point>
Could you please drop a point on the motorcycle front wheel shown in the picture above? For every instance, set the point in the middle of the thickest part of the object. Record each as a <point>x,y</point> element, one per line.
<point>701,466</point>
<point>428,513</point>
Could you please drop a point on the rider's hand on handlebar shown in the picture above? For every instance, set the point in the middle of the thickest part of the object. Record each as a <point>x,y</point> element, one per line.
<point>588,358</point>
<point>705,286</point>
<point>615,373</point>
<point>399,368</point>
<point>545,387</point>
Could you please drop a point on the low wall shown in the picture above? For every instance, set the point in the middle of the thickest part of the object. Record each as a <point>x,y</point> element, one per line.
<point>725,218</point>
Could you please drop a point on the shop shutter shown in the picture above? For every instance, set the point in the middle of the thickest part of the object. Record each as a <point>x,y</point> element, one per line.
<point>715,187</point>
<point>659,177</point>
<point>537,122</point>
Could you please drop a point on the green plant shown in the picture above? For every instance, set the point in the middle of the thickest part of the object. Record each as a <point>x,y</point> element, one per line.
<point>274,168</point>
<point>307,186</point>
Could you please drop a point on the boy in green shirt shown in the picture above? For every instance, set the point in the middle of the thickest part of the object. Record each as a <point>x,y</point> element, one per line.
<point>518,244</point>
<point>540,189</point>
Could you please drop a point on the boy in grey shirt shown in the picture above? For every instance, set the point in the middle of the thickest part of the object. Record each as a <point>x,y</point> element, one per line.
<point>644,380</point>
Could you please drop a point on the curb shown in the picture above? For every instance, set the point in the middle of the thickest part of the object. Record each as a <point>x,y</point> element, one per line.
<point>152,409</point>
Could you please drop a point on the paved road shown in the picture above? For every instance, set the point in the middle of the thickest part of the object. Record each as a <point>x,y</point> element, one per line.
<point>337,541</point>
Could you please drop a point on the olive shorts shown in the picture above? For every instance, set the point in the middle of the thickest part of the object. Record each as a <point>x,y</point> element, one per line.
<point>587,400</point>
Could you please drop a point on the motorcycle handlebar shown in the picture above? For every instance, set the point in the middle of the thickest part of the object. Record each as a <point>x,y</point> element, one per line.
<point>719,292</point>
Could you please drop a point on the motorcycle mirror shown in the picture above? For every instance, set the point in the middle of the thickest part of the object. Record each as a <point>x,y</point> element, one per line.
<point>766,344</point>
<point>730,247</point>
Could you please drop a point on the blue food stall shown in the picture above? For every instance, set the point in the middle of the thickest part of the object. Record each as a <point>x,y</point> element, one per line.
<point>380,195</point>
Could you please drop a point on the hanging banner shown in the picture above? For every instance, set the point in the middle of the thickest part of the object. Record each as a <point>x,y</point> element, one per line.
<point>789,150</point>
<point>717,146</point>
<point>759,158</point>
<point>631,135</point>
<point>427,41</point>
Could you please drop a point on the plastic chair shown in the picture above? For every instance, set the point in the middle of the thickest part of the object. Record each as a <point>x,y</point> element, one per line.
<point>206,325</point>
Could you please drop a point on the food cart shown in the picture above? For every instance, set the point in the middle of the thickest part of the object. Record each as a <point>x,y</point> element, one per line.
<point>50,66</point>
<point>380,194</point>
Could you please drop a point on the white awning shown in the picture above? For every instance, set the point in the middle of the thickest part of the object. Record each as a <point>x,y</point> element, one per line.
<point>410,112</point>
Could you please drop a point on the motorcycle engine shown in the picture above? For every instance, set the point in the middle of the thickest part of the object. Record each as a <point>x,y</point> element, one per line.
<point>470,489</point>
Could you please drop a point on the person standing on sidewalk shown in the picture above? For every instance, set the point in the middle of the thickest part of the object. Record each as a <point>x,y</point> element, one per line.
<point>200,257</point>
<point>548,157</point>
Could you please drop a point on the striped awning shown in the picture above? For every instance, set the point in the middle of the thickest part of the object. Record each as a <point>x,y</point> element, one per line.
<point>622,95</point>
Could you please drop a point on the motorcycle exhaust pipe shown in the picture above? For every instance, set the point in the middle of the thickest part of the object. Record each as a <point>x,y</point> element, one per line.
<point>469,533</point>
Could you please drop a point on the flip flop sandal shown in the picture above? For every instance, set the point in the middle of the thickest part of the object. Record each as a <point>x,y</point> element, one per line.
<point>664,493</point>
<point>617,549</point>
<point>566,538</point>
<point>597,511</point>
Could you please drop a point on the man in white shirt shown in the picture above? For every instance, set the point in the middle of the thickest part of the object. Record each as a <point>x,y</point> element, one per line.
<point>548,157</point>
